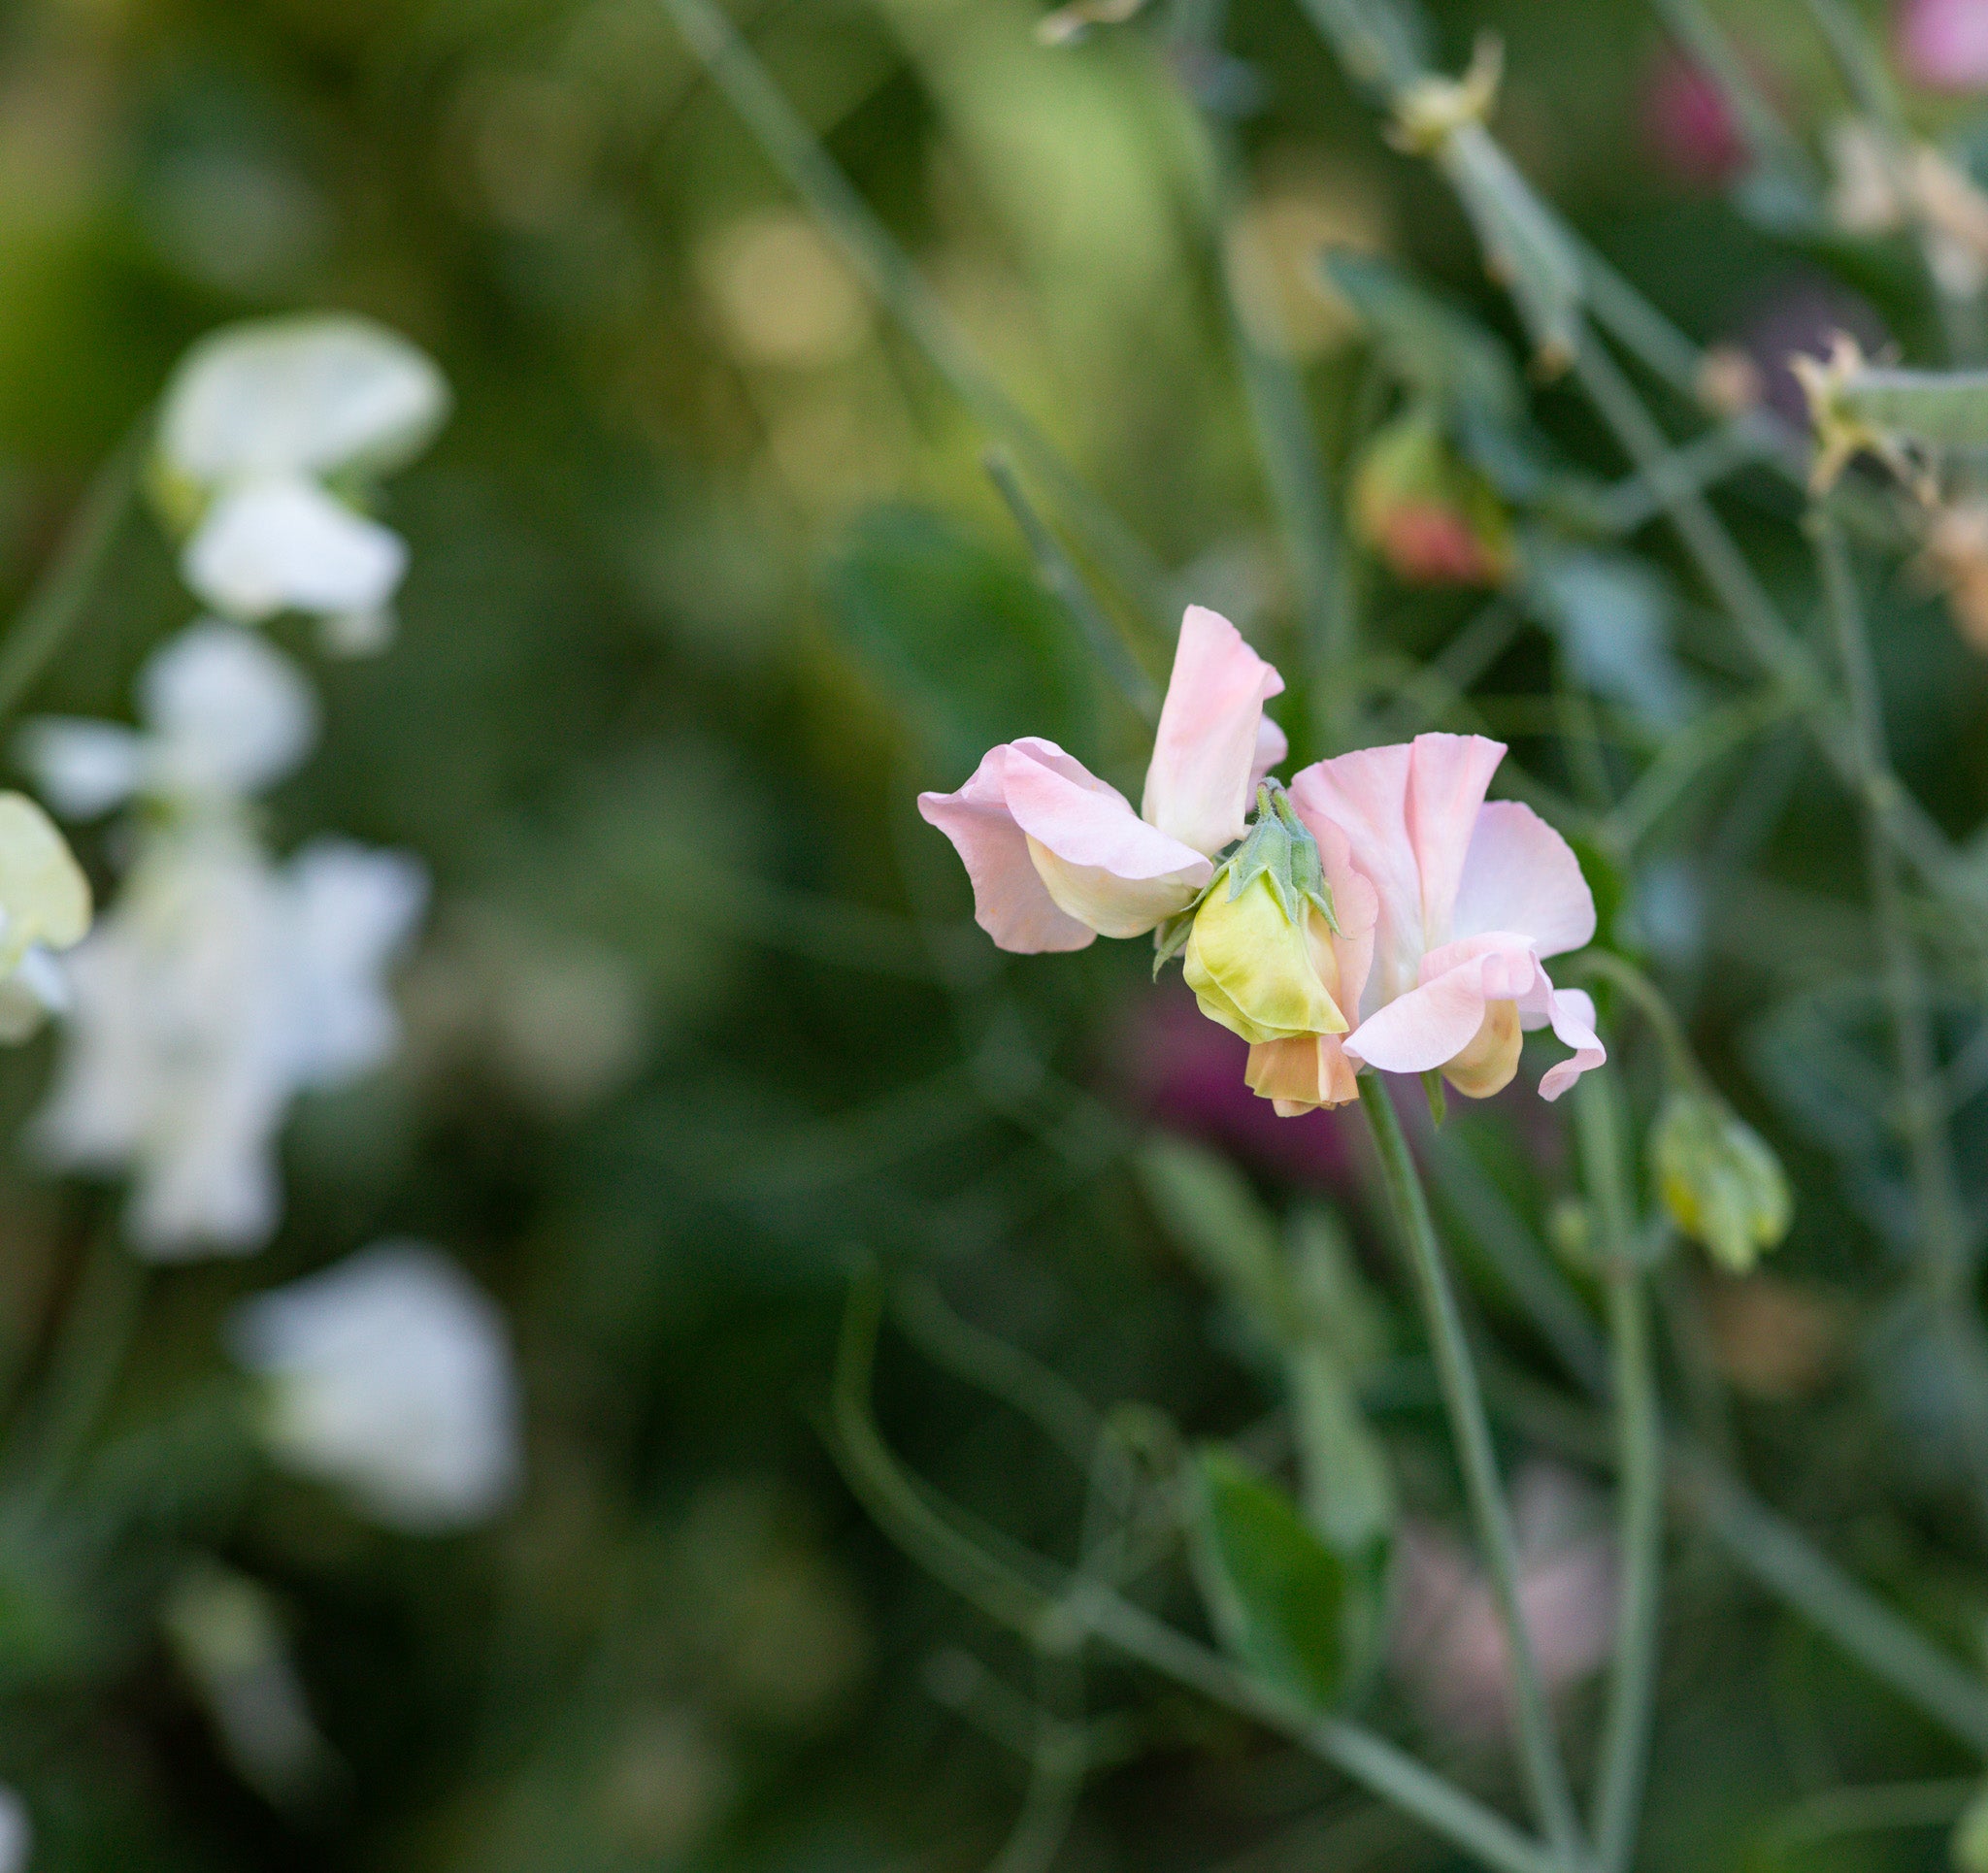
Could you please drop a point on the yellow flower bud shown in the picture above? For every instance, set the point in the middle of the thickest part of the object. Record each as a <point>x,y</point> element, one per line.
<point>1719,1178</point>
<point>1305,1073</point>
<point>1257,972</point>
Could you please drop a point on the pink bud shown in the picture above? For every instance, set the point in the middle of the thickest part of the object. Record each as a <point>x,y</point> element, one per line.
<point>1688,125</point>
<point>1943,44</point>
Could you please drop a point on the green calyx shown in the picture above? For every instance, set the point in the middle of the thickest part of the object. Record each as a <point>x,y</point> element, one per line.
<point>1278,847</point>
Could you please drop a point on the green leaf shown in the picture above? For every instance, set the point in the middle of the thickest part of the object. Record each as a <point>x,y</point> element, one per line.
<point>1208,1206</point>
<point>963,640</point>
<point>1275,1593</point>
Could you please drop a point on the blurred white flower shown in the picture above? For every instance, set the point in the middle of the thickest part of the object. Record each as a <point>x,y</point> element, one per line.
<point>220,987</point>
<point>258,418</point>
<point>45,906</point>
<point>390,1375</point>
<point>276,545</point>
<point>224,716</point>
<point>17,1832</point>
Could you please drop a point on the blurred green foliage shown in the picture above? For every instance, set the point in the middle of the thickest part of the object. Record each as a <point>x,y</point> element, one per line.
<point>707,580</point>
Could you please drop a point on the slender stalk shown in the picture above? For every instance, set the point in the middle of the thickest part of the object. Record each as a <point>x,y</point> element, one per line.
<point>1783,655</point>
<point>1538,1748</point>
<point>1293,471</point>
<point>96,1335</point>
<point>1059,573</point>
<point>1782,1560</point>
<point>872,251</point>
<point>59,601</point>
<point>1945,1262</point>
<point>1030,1595</point>
<point>1640,1480</point>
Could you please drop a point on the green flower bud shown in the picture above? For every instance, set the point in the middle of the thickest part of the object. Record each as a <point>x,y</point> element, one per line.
<point>1719,1178</point>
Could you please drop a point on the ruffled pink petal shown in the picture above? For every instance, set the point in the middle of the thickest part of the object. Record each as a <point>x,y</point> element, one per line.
<point>1199,786</point>
<point>1100,862</point>
<point>1356,905</point>
<point>1010,902</point>
<point>1519,875</point>
<point>1447,776</point>
<point>1364,797</point>
<point>1433,1023</point>
<point>1573,1023</point>
<point>1272,745</point>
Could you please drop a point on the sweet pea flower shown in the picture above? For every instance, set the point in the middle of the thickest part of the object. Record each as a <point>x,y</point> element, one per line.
<point>1058,858</point>
<point>1470,897</point>
<point>224,716</point>
<point>390,1375</point>
<point>220,987</point>
<point>269,431</point>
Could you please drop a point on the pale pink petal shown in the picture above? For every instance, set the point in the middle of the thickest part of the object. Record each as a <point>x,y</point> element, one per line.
<point>1272,745</point>
<point>1943,44</point>
<point>1364,796</point>
<point>1199,786</point>
<point>1010,902</point>
<point>1100,862</point>
<point>1447,776</point>
<point>1521,875</point>
<point>1434,1022</point>
<point>1356,905</point>
<point>1573,1023</point>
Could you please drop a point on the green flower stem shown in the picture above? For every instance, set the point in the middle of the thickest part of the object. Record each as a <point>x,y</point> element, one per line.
<point>1779,652</point>
<point>798,154</point>
<point>1281,414</point>
<point>1031,1597</point>
<point>59,601</point>
<point>1650,1003</point>
<point>1538,1748</point>
<point>1640,1481</point>
<point>1059,573</point>
<point>1945,1262</point>
<point>97,1332</point>
<point>1783,1561</point>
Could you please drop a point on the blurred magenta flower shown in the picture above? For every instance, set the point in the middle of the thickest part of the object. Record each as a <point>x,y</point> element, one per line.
<point>1449,1641</point>
<point>1687,124</point>
<point>1472,895</point>
<point>1943,44</point>
<point>1188,1074</point>
<point>1058,858</point>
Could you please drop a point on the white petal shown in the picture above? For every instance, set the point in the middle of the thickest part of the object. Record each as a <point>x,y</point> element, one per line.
<point>229,713</point>
<point>351,910</point>
<point>83,768</point>
<point>300,395</point>
<point>273,545</point>
<point>391,1375</point>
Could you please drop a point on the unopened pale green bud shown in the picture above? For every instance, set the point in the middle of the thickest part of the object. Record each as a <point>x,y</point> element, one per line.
<point>1719,1178</point>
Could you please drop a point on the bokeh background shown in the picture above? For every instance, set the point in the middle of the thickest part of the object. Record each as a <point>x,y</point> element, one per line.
<point>707,580</point>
